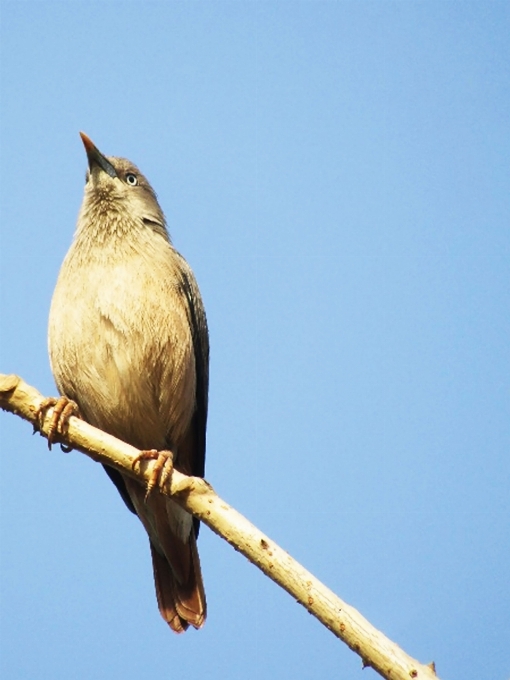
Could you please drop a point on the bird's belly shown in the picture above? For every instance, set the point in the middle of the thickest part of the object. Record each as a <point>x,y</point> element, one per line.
<point>129,366</point>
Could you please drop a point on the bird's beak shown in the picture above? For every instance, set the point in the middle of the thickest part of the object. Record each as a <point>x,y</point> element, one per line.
<point>96,157</point>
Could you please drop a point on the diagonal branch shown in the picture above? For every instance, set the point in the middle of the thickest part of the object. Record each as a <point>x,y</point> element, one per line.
<point>199,498</point>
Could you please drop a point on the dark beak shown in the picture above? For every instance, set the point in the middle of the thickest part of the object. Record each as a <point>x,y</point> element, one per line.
<point>96,157</point>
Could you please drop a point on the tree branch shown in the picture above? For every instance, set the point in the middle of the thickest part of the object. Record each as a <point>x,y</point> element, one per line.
<point>199,498</point>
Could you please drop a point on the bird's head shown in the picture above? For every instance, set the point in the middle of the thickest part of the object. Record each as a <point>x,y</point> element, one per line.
<point>117,193</point>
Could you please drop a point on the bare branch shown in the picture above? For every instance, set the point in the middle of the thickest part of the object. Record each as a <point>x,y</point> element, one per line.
<point>197,496</point>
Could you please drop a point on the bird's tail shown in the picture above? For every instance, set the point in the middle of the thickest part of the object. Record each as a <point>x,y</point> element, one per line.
<point>181,602</point>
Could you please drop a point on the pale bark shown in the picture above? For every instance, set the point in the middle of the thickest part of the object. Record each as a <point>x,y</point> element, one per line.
<point>197,496</point>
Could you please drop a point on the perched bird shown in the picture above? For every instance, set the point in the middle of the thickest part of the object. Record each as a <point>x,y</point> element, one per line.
<point>128,343</point>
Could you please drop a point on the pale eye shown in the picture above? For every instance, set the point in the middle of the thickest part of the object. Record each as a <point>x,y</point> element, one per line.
<point>131,179</point>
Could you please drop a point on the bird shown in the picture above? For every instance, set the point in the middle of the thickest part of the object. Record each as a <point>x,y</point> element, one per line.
<point>129,350</point>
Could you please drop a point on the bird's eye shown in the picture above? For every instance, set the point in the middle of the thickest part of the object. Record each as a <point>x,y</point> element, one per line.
<point>131,179</point>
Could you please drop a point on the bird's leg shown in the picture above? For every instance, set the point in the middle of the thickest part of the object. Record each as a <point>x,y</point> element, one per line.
<point>161,471</point>
<point>63,409</point>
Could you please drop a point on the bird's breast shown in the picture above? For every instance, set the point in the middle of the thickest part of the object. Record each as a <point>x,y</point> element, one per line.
<point>121,346</point>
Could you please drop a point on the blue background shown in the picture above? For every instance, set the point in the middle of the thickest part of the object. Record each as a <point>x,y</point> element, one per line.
<point>337,174</point>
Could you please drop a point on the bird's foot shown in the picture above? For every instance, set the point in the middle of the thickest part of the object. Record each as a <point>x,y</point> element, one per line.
<point>162,470</point>
<point>63,409</point>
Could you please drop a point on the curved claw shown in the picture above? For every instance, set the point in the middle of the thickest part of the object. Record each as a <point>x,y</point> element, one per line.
<point>162,470</point>
<point>63,409</point>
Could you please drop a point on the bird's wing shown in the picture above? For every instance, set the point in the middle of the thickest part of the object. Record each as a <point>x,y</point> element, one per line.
<point>198,325</point>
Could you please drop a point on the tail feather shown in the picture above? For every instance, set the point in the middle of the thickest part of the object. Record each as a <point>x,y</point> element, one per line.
<point>177,575</point>
<point>180,604</point>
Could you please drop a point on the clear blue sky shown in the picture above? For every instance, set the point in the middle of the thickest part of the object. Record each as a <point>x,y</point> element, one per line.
<point>337,174</point>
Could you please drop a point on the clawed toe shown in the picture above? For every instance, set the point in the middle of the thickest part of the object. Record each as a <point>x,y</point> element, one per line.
<point>63,409</point>
<point>161,471</point>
